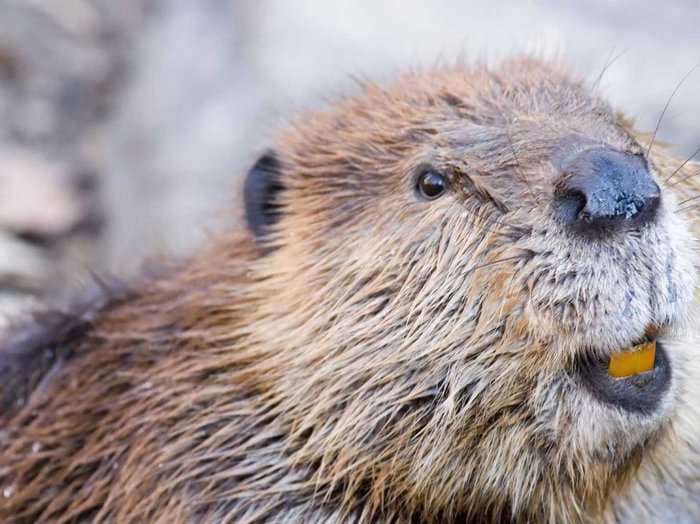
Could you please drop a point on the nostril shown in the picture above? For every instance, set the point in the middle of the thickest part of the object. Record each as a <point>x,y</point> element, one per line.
<point>570,203</point>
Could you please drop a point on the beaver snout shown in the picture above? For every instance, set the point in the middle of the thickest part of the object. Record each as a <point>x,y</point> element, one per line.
<point>602,190</point>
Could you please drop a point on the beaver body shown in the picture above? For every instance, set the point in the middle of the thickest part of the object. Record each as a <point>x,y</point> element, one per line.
<point>409,331</point>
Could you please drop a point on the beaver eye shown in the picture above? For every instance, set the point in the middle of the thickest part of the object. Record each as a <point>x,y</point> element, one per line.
<point>431,184</point>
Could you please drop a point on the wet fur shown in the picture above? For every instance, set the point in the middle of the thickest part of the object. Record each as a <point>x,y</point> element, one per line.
<point>376,357</point>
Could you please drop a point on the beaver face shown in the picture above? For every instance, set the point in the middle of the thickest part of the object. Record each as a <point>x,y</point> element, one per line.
<point>452,264</point>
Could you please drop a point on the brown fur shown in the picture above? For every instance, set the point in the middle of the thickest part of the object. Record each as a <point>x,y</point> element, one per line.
<point>386,359</point>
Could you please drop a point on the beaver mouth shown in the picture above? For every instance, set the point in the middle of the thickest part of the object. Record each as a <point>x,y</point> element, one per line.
<point>634,379</point>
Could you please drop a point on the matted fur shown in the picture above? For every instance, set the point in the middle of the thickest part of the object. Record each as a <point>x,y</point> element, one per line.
<point>382,358</point>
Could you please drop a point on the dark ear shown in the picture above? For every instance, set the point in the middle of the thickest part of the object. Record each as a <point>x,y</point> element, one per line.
<point>261,191</point>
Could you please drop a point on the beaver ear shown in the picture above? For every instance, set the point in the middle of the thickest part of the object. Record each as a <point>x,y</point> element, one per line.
<point>261,192</point>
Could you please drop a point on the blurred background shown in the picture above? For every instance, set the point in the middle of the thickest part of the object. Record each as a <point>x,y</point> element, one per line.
<point>126,126</point>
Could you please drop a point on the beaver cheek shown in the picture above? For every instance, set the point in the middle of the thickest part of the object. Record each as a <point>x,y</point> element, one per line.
<point>543,322</point>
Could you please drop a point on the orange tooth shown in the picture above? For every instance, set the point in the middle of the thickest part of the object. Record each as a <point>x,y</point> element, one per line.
<point>638,359</point>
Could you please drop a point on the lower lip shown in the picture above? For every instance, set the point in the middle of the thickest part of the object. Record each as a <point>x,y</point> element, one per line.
<point>638,393</point>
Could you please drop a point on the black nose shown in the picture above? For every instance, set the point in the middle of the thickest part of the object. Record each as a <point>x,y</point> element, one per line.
<point>602,190</point>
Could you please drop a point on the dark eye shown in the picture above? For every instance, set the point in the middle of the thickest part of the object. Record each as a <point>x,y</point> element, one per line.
<point>431,184</point>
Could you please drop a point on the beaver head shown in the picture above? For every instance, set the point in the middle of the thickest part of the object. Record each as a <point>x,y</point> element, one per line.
<point>447,267</point>
<point>432,321</point>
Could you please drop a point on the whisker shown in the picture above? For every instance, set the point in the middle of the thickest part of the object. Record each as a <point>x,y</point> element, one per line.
<point>689,209</point>
<point>611,60</point>
<point>497,225</point>
<point>683,164</point>
<point>692,209</point>
<point>481,221</point>
<point>500,225</point>
<point>687,201</point>
<point>519,170</point>
<point>668,103</point>
<point>494,262</point>
<point>684,179</point>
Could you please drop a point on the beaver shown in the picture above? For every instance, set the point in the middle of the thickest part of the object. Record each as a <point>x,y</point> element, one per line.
<point>417,324</point>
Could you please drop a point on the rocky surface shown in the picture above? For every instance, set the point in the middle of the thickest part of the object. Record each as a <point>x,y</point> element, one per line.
<point>61,67</point>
